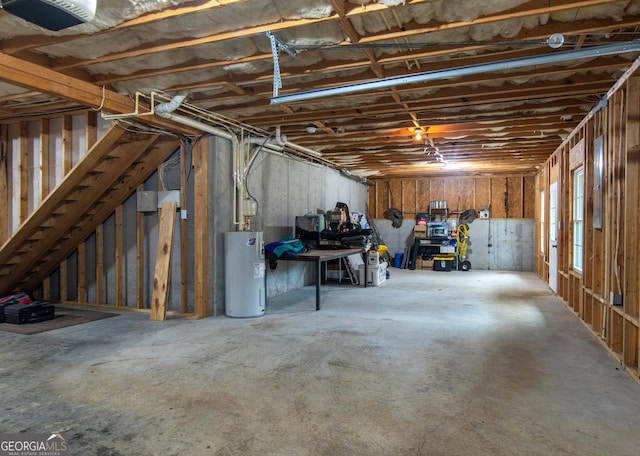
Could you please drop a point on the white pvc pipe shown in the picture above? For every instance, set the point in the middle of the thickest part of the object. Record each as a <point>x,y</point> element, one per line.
<point>166,111</point>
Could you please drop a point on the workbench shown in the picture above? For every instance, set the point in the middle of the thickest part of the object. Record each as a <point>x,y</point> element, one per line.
<point>319,256</point>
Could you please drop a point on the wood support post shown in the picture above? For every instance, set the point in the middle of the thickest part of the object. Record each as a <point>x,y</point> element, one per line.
<point>100,265</point>
<point>140,257</point>
<point>23,165</point>
<point>119,257</point>
<point>184,238</point>
<point>4,188</point>
<point>201,222</point>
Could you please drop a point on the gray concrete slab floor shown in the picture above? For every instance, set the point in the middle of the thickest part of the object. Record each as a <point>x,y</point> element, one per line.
<point>428,363</point>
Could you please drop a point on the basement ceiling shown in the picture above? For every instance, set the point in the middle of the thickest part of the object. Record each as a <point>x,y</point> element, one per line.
<point>218,52</point>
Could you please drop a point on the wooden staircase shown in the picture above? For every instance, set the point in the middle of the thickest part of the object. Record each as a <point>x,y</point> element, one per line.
<point>103,179</point>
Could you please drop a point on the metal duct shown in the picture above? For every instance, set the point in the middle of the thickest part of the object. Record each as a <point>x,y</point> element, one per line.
<point>599,51</point>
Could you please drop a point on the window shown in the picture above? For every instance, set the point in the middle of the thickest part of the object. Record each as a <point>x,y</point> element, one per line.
<point>542,234</point>
<point>578,217</point>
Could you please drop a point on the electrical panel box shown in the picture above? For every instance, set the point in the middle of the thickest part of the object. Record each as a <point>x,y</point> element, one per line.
<point>170,196</point>
<point>146,201</point>
<point>150,201</point>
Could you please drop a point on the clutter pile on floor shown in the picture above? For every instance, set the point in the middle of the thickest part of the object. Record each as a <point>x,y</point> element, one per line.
<point>20,308</point>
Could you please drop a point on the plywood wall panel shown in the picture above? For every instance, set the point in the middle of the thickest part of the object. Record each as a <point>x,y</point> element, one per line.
<point>371,203</point>
<point>498,195</point>
<point>467,194</point>
<point>452,193</point>
<point>423,192</point>
<point>482,192</point>
<point>515,205</point>
<point>461,193</point>
<point>395,193</point>
<point>437,189</point>
<point>409,196</point>
<point>382,196</point>
<point>529,196</point>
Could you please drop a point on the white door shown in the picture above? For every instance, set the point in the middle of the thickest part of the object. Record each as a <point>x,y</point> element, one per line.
<point>553,236</point>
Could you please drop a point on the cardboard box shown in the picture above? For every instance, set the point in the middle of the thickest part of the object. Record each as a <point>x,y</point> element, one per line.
<point>427,264</point>
<point>420,231</point>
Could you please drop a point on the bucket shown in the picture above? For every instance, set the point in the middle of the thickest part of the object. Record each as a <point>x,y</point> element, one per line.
<point>397,260</point>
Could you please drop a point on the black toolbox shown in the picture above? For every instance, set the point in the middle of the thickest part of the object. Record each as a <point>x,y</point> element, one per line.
<point>32,312</point>
<point>18,298</point>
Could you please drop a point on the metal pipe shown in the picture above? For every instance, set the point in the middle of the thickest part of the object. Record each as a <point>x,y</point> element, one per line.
<point>599,51</point>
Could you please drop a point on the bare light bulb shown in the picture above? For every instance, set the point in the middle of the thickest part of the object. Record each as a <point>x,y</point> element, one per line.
<point>556,40</point>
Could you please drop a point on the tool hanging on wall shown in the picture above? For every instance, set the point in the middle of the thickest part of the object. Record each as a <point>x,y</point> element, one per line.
<point>395,215</point>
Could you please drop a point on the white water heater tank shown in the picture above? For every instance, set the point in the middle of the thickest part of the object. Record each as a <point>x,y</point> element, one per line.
<point>52,14</point>
<point>244,269</point>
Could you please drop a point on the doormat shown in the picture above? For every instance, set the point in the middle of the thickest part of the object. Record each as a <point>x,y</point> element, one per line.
<point>65,316</point>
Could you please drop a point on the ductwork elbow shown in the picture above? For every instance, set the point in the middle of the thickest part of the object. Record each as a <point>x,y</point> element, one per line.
<point>165,109</point>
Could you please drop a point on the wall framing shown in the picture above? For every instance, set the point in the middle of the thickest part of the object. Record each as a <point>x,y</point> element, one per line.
<point>606,294</point>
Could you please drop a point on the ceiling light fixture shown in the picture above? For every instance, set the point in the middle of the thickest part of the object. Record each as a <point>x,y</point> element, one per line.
<point>545,59</point>
<point>311,128</point>
<point>419,131</point>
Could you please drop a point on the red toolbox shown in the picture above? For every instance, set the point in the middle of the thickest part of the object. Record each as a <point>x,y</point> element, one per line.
<point>18,298</point>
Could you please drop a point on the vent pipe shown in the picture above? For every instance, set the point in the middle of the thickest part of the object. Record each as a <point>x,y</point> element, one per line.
<point>556,57</point>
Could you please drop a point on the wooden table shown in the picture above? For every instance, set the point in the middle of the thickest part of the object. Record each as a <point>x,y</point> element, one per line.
<point>318,257</point>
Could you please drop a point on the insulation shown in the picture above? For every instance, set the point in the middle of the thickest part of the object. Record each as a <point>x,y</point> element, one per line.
<point>222,56</point>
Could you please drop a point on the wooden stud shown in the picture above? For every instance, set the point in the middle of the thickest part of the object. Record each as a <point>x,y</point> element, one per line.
<point>23,165</point>
<point>67,144</point>
<point>91,129</point>
<point>100,265</point>
<point>119,256</point>
<point>184,238</point>
<point>201,227</point>
<point>44,159</point>
<point>82,276</point>
<point>162,275</point>
<point>46,289</point>
<point>632,212</point>
<point>4,187</point>
<point>64,281</point>
<point>140,238</point>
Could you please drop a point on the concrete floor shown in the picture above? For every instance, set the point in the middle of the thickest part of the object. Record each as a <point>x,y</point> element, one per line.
<point>429,363</point>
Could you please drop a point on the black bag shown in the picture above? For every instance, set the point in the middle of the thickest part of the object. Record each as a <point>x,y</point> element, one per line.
<point>18,298</point>
<point>32,312</point>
